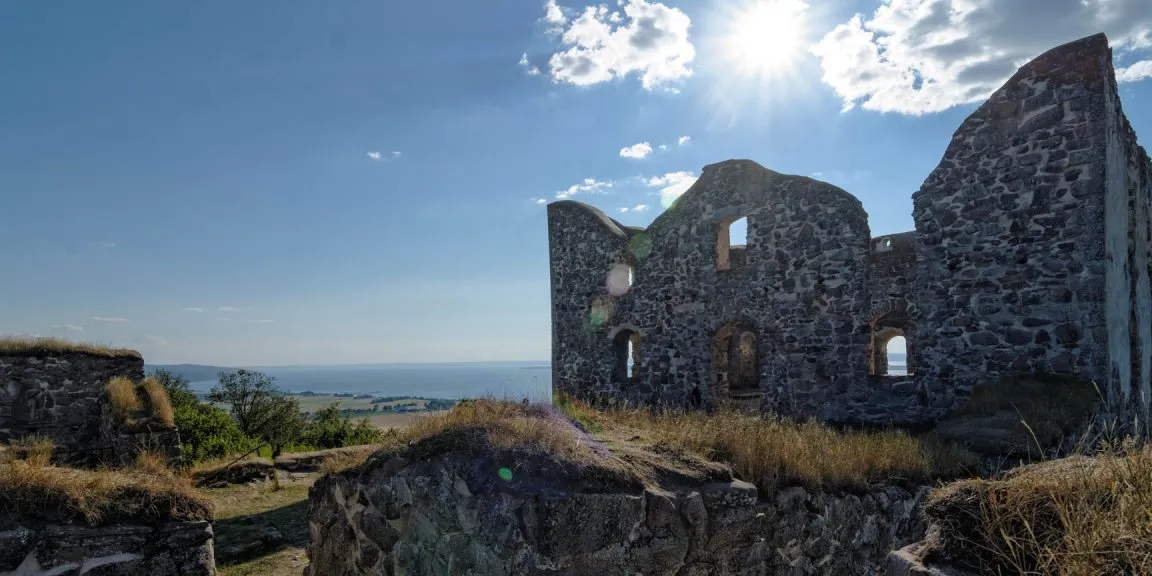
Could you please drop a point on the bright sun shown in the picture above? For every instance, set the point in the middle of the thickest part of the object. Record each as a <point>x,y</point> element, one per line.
<point>765,37</point>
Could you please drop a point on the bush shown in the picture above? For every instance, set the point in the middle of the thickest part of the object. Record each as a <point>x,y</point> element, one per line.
<point>329,429</point>
<point>208,432</point>
<point>36,450</point>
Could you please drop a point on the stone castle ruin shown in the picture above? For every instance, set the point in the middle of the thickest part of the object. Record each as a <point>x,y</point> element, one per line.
<point>1031,253</point>
<point>58,392</point>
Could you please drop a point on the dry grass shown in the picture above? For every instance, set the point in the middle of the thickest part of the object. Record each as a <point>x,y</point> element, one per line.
<point>151,462</point>
<point>773,453</point>
<point>10,345</point>
<point>123,399</point>
<point>1077,516</point>
<point>158,400</point>
<point>97,497</point>
<point>36,450</point>
<point>342,460</point>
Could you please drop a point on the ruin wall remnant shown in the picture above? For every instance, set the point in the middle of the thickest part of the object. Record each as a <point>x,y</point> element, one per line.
<point>1032,253</point>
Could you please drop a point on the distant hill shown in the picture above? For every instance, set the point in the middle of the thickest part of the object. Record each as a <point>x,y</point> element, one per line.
<point>193,372</point>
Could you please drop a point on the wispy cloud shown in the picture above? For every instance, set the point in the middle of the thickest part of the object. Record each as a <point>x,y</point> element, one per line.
<point>527,66</point>
<point>636,208</point>
<point>106,244</point>
<point>225,319</point>
<point>672,185</point>
<point>377,155</point>
<point>538,200</point>
<point>232,308</point>
<point>261,321</point>
<point>638,150</point>
<point>663,147</point>
<point>589,186</point>
<point>683,140</point>
<point>157,340</point>
<point>68,327</point>
<point>193,309</point>
<point>110,319</point>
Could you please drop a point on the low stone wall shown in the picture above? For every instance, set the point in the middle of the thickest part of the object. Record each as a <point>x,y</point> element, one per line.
<point>176,549</point>
<point>60,396</point>
<point>438,516</point>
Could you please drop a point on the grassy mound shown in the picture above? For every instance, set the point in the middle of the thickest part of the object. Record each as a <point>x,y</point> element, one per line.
<point>53,346</point>
<point>1020,415</point>
<point>1077,516</point>
<point>531,441</point>
<point>30,493</point>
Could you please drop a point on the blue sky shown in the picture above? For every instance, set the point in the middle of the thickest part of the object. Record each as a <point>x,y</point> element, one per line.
<point>260,182</point>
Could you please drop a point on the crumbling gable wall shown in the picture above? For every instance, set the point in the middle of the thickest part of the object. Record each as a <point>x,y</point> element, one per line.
<point>796,288</point>
<point>1024,233</point>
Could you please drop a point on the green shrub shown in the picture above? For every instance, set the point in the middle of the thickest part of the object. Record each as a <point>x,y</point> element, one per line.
<point>208,432</point>
<point>329,429</point>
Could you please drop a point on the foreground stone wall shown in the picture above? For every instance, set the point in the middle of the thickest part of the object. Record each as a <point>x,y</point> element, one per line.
<point>60,396</point>
<point>174,549</point>
<point>439,516</point>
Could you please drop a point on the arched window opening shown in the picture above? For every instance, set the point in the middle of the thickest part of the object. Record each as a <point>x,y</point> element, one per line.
<point>626,349</point>
<point>730,234</point>
<point>897,356</point>
<point>735,361</point>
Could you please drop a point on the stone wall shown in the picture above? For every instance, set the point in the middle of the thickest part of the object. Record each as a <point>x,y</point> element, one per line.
<point>1032,253</point>
<point>438,516</point>
<point>1024,234</point>
<point>174,549</point>
<point>60,396</point>
<point>796,287</point>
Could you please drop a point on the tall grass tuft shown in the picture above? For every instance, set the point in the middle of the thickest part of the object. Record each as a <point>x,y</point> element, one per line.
<point>123,399</point>
<point>36,450</point>
<point>160,403</point>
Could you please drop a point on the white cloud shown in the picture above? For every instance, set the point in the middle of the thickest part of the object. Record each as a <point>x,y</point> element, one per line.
<point>683,140</point>
<point>106,244</point>
<point>68,327</point>
<point>651,41</point>
<point>636,208</point>
<point>157,340</point>
<point>671,185</point>
<point>922,56</point>
<point>377,156</point>
<point>225,319</point>
<point>110,319</point>
<point>588,186</point>
<point>637,151</point>
<point>525,64</point>
<point>663,147</point>
<point>1136,72</point>
<point>193,309</point>
<point>553,17</point>
<point>232,308</point>
<point>261,321</point>
<point>537,200</point>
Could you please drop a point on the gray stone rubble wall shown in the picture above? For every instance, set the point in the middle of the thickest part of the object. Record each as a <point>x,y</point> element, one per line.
<point>60,397</point>
<point>1031,254</point>
<point>435,517</point>
<point>173,549</point>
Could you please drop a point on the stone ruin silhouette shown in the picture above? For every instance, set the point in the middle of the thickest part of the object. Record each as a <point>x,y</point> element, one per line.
<point>1031,254</point>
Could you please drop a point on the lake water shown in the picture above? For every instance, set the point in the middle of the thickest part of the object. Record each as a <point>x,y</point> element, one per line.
<point>515,380</point>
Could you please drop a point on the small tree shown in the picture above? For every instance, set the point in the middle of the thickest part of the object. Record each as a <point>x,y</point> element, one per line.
<point>178,387</point>
<point>260,408</point>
